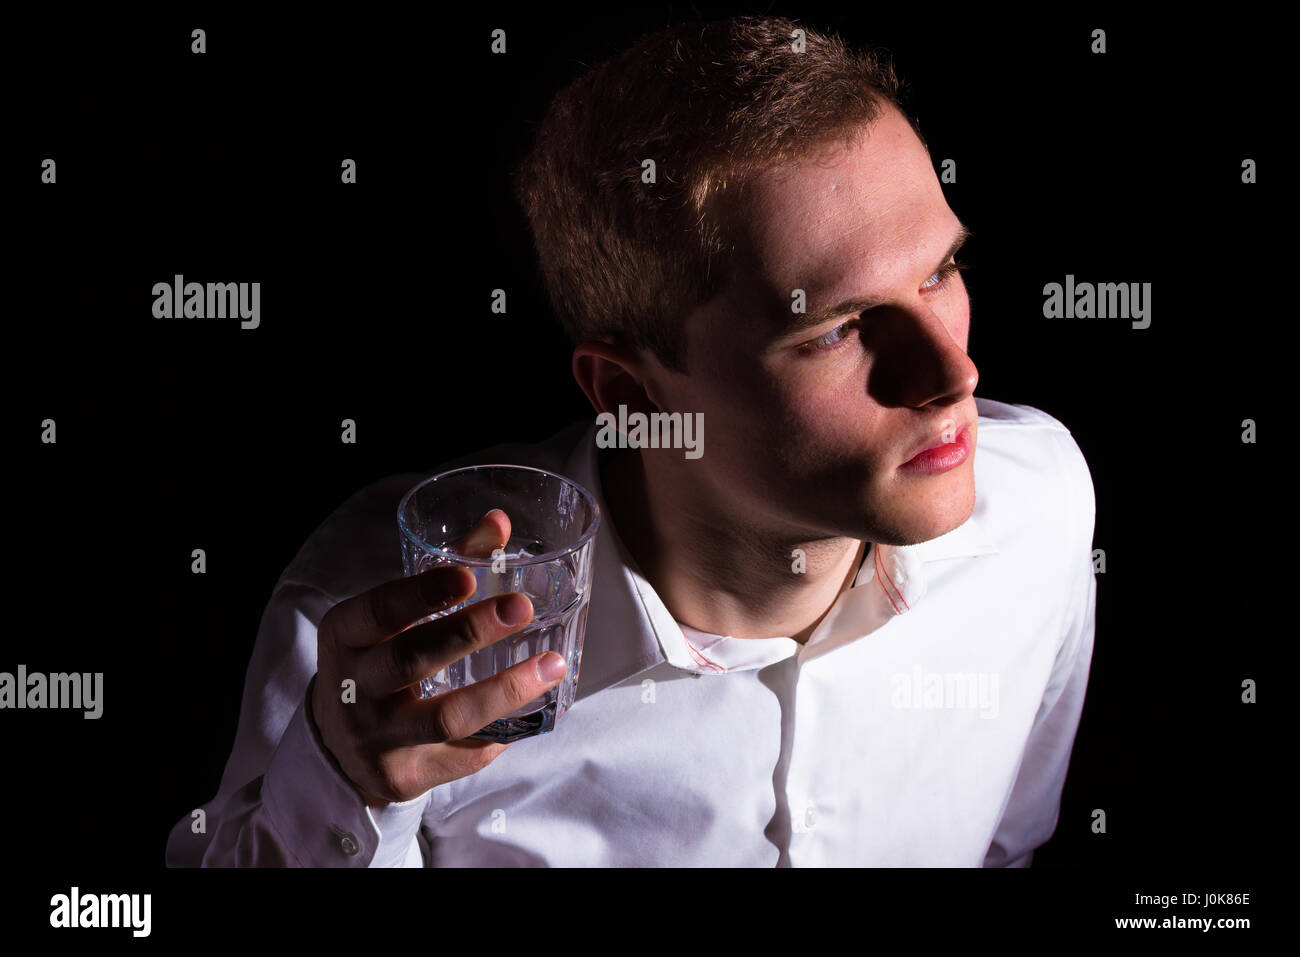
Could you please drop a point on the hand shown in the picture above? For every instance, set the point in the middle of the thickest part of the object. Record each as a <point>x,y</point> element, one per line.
<point>390,743</point>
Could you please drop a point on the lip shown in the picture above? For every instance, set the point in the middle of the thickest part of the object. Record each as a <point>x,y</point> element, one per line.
<point>940,456</point>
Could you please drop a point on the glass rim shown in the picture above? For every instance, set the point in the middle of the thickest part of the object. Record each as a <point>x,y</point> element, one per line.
<point>459,559</point>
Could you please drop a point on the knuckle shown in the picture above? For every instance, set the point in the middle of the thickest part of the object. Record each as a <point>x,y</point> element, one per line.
<point>473,630</point>
<point>443,718</point>
<point>378,610</point>
<point>518,686</point>
<point>399,780</point>
<point>398,661</point>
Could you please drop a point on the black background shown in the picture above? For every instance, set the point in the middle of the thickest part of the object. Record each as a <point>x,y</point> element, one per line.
<point>1121,167</point>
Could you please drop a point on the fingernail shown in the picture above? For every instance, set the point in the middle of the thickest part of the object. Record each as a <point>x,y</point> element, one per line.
<point>550,667</point>
<point>513,609</point>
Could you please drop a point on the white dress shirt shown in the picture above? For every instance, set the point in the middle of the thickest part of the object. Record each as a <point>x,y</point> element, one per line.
<point>928,720</point>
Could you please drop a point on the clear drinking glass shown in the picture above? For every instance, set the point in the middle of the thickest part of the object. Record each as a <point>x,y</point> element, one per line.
<point>553,522</point>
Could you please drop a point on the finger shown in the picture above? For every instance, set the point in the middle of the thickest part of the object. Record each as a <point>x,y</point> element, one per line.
<point>457,714</point>
<point>432,766</point>
<point>376,615</point>
<point>489,533</point>
<point>426,649</point>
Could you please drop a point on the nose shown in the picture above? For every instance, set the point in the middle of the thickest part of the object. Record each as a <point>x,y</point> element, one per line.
<point>919,361</point>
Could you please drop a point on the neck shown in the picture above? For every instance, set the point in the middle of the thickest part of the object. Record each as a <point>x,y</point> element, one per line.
<point>716,571</point>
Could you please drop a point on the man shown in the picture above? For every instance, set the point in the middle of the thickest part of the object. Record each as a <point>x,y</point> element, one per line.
<point>856,630</point>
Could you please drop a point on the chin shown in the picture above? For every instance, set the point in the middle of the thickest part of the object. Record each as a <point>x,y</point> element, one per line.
<point>939,505</point>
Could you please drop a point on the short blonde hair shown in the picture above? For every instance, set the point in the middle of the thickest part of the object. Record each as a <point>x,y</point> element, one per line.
<point>711,103</point>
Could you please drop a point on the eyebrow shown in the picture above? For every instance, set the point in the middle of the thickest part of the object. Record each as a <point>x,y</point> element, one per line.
<point>858,304</point>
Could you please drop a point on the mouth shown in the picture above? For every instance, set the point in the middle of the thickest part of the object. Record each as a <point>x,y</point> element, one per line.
<point>945,452</point>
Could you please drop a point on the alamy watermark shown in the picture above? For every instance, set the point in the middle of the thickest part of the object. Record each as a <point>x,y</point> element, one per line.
<point>1104,300</point>
<point>37,690</point>
<point>659,430</point>
<point>923,689</point>
<point>214,300</point>
<point>102,910</point>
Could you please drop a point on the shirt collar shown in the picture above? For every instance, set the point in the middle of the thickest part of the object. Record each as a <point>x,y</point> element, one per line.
<point>630,630</point>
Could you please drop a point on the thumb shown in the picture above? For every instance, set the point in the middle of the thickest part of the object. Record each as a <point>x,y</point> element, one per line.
<point>491,532</point>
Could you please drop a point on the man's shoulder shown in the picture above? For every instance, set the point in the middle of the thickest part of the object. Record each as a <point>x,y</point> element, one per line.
<point>1011,414</point>
<point>356,547</point>
<point>1031,470</point>
<point>1035,438</point>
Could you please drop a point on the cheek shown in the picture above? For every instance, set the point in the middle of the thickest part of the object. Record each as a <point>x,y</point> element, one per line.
<point>827,399</point>
<point>820,424</point>
<point>823,414</point>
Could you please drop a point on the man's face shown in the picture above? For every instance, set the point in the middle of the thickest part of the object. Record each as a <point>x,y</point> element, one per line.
<point>808,427</point>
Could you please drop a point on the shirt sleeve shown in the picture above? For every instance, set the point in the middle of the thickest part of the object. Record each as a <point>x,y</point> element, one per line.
<point>281,801</point>
<point>1034,804</point>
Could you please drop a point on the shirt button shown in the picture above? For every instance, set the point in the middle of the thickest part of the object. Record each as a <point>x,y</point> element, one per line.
<point>347,842</point>
<point>809,816</point>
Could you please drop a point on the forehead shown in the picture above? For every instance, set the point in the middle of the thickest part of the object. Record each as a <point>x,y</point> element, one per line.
<point>846,214</point>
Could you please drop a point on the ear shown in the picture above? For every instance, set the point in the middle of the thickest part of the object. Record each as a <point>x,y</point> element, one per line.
<point>611,376</point>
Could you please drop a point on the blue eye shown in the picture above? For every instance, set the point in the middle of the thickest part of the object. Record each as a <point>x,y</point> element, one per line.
<point>940,279</point>
<point>937,283</point>
<point>833,337</point>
